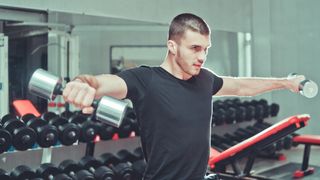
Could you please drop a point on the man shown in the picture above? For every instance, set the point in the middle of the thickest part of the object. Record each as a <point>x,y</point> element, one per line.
<point>173,101</point>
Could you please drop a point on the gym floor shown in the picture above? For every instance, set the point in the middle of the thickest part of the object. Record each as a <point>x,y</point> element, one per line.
<point>294,155</point>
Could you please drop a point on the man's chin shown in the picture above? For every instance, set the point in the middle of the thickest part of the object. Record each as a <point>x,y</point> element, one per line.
<point>195,73</point>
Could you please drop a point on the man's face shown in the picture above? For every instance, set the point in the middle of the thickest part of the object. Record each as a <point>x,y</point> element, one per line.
<point>192,52</point>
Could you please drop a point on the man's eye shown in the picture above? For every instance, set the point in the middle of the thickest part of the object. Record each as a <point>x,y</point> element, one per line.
<point>196,48</point>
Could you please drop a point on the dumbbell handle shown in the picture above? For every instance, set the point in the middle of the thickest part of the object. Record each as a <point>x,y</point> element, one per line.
<point>307,87</point>
<point>59,90</point>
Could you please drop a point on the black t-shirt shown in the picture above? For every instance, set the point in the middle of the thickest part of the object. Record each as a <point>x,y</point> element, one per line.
<point>174,117</point>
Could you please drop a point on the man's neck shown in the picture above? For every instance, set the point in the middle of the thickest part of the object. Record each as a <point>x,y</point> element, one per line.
<point>170,65</point>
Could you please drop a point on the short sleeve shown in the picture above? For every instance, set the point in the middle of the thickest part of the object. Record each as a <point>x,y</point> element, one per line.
<point>137,80</point>
<point>217,84</point>
<point>217,81</point>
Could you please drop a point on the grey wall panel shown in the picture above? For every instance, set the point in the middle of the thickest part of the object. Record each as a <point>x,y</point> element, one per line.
<point>227,15</point>
<point>295,48</point>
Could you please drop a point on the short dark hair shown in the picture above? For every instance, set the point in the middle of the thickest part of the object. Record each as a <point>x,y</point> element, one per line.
<point>187,21</point>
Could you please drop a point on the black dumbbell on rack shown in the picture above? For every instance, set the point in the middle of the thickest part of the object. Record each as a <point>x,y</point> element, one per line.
<point>123,170</point>
<point>48,171</point>
<point>273,109</point>
<point>124,155</point>
<point>137,160</point>
<point>23,137</point>
<point>47,134</point>
<point>125,129</point>
<point>229,111</point>
<point>131,117</point>
<point>262,107</point>
<point>218,116</point>
<point>68,132</point>
<point>23,172</point>
<point>249,110</point>
<point>258,109</point>
<point>221,143</point>
<point>4,175</point>
<point>5,140</point>
<point>73,170</point>
<point>88,129</point>
<point>106,132</point>
<point>236,106</point>
<point>96,167</point>
<point>233,137</point>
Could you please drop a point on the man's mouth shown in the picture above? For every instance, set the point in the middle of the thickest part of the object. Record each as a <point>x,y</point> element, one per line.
<point>197,65</point>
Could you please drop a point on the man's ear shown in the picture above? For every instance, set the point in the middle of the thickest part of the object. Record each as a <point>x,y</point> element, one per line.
<point>172,46</point>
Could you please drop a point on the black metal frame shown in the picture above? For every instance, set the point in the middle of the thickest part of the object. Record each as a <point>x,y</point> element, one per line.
<point>251,153</point>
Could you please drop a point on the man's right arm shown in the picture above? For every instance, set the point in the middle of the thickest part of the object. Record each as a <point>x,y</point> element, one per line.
<point>85,88</point>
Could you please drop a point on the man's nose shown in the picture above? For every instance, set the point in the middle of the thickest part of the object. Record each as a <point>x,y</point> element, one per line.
<point>202,56</point>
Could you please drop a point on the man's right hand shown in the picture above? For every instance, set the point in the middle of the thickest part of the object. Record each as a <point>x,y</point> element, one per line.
<point>80,94</point>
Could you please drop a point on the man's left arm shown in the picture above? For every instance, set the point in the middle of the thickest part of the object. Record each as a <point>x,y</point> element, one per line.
<point>251,86</point>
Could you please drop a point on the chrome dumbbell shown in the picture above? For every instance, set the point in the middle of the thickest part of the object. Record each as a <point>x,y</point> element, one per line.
<point>108,110</point>
<point>307,88</point>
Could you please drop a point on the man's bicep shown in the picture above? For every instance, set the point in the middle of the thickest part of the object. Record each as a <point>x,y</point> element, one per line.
<point>229,87</point>
<point>111,85</point>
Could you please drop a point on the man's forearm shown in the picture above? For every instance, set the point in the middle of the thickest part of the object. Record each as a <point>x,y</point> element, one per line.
<point>255,86</point>
<point>105,84</point>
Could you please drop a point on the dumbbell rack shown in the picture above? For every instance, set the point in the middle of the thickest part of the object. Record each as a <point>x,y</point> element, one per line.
<point>58,153</point>
<point>238,129</point>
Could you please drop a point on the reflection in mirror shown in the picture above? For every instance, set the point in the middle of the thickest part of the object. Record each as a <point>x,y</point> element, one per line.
<point>229,55</point>
<point>128,56</point>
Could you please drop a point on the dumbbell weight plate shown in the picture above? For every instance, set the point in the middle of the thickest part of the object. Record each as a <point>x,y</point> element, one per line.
<point>62,176</point>
<point>287,142</point>
<point>88,162</point>
<point>69,133</point>
<point>4,175</point>
<point>48,170</point>
<point>68,166</point>
<point>259,112</point>
<point>48,115</point>
<point>124,171</point>
<point>109,158</point>
<point>124,155</point>
<point>88,129</point>
<point>274,109</point>
<point>105,173</point>
<point>106,132</point>
<point>5,140</point>
<point>22,137</point>
<point>125,129</point>
<point>47,135</point>
<point>23,172</point>
<point>7,117</point>
<point>219,116</point>
<point>84,175</point>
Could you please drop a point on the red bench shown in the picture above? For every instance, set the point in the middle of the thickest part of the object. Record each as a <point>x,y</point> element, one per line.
<point>308,141</point>
<point>251,146</point>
